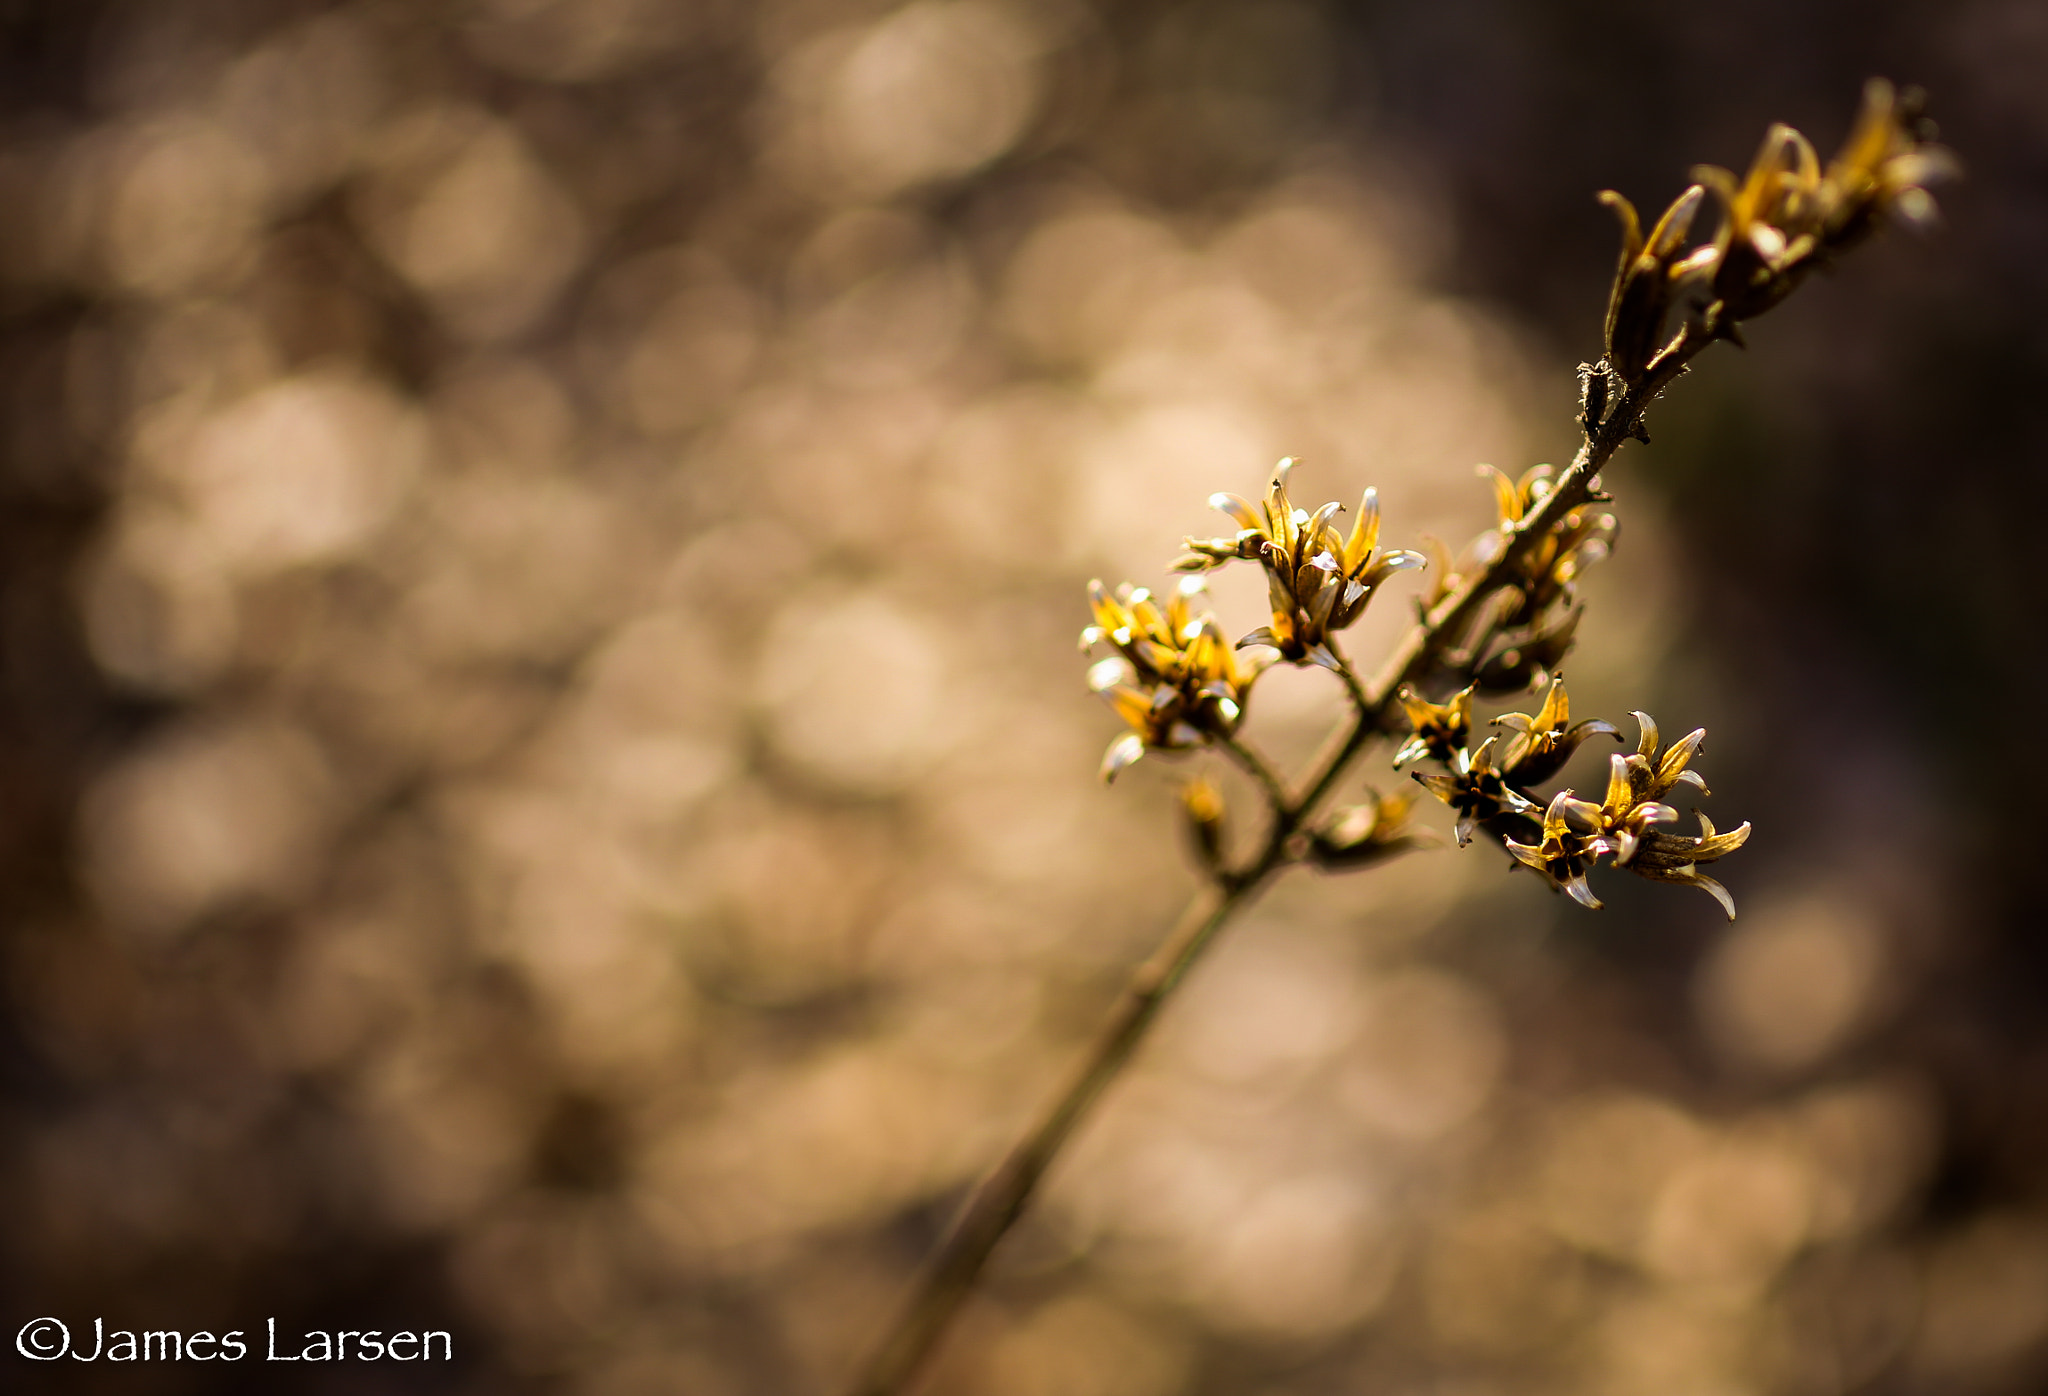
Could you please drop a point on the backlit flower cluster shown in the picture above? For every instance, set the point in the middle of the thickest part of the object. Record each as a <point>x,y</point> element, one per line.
<point>1782,219</point>
<point>1528,625</point>
<point>1174,678</point>
<point>1494,788</point>
<point>1319,580</point>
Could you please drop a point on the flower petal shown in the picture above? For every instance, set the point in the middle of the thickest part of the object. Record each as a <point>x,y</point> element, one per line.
<point>1122,752</point>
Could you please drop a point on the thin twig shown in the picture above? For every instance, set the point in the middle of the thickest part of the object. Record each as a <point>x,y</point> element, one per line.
<point>1258,768</point>
<point>1002,1198</point>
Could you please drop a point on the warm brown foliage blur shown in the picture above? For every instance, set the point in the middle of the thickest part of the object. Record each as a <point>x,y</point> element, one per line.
<point>567,813</point>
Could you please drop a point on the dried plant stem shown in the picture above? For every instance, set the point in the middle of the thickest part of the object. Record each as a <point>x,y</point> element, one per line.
<point>1002,1197</point>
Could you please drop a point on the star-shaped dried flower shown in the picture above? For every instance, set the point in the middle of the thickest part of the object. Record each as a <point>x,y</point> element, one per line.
<point>1543,743</point>
<point>1786,216</point>
<point>1617,825</point>
<point>1771,222</point>
<point>1551,567</point>
<point>1476,789</point>
<point>1175,678</point>
<point>1560,855</point>
<point>1655,773</point>
<point>1435,729</point>
<point>1319,581</point>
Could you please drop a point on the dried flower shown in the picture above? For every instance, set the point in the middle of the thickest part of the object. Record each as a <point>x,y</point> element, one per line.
<point>1477,790</point>
<point>1545,742</point>
<point>1202,803</point>
<point>1648,278</point>
<point>1361,835</point>
<point>1175,679</point>
<point>1436,729</point>
<point>1319,582</point>
<point>1560,855</point>
<point>1785,216</point>
<point>1549,572</point>
<point>1885,166</point>
<point>1617,825</point>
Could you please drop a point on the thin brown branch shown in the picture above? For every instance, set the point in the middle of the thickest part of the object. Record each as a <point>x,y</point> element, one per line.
<point>1002,1198</point>
<point>1259,769</point>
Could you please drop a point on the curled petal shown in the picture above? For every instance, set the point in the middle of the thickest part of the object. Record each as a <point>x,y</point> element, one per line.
<point>1688,876</point>
<point>1241,510</point>
<point>1647,746</point>
<point>1482,759</point>
<point>1681,752</point>
<point>1122,752</point>
<point>1620,788</point>
<point>1109,673</point>
<point>1712,845</point>
<point>1715,890</point>
<point>1319,524</point>
<point>1582,891</point>
<point>1387,564</point>
<point>1506,498</point>
<point>1444,787</point>
<point>1581,816</point>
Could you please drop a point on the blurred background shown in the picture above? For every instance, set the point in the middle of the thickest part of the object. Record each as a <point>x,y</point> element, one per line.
<point>545,785</point>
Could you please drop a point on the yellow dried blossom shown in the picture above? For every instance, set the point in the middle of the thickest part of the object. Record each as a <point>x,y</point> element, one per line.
<point>1648,279</point>
<point>1580,539</point>
<point>1366,834</point>
<point>1175,678</point>
<point>1561,854</point>
<point>1545,741</point>
<point>1675,858</point>
<point>1435,729</point>
<point>1477,790</point>
<point>1618,824</point>
<point>1319,581</point>
<point>1626,826</point>
<point>1786,215</point>
<point>1884,166</point>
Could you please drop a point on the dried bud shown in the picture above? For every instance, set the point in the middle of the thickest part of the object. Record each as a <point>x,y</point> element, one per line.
<point>1650,271</point>
<point>1202,803</point>
<point>1436,730</point>
<point>1544,742</point>
<point>1359,836</point>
